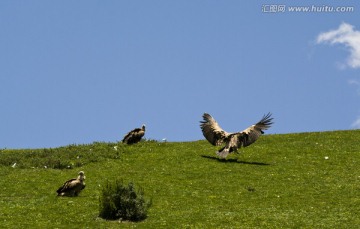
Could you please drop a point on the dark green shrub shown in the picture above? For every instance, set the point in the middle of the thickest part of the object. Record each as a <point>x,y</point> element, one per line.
<point>118,201</point>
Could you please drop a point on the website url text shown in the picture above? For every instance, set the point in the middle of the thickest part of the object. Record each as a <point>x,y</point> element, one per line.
<point>278,8</point>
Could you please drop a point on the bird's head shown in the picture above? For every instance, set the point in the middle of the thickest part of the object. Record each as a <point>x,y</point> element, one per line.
<point>81,175</point>
<point>143,127</point>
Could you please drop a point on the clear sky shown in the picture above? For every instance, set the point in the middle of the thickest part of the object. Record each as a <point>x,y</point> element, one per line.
<point>74,72</point>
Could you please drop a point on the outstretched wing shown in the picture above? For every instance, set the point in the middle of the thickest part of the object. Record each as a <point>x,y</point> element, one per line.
<point>212,131</point>
<point>252,133</point>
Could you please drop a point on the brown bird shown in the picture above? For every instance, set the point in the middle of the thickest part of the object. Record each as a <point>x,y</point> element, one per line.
<point>73,186</point>
<point>134,136</point>
<point>217,136</point>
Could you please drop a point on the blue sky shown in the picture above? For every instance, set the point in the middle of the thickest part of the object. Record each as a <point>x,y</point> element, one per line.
<point>84,71</point>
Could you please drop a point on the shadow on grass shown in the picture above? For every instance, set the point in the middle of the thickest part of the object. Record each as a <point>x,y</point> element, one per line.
<point>233,160</point>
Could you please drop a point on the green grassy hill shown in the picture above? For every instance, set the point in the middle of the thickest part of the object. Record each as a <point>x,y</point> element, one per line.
<point>307,180</point>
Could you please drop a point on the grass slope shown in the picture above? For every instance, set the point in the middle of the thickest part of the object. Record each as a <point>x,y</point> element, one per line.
<point>282,181</point>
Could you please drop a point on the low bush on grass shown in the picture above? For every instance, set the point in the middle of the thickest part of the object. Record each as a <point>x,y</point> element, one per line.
<point>118,201</point>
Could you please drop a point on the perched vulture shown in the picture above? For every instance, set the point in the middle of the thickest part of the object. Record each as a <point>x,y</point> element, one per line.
<point>217,136</point>
<point>134,136</point>
<point>72,187</point>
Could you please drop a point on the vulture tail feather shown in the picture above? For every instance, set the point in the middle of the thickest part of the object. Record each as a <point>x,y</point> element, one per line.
<point>223,153</point>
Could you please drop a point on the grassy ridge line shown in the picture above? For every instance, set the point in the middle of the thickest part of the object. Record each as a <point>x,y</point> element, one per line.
<point>280,181</point>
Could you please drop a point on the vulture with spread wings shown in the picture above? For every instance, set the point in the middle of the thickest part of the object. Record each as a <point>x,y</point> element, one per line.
<point>73,186</point>
<point>217,136</point>
<point>134,136</point>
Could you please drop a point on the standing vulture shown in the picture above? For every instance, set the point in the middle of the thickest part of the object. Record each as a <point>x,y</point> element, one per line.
<point>134,136</point>
<point>217,136</point>
<point>73,186</point>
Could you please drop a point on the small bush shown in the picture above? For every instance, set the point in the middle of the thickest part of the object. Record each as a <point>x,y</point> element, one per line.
<point>125,203</point>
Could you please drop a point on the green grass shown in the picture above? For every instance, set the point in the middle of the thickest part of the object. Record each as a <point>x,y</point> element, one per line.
<point>281,181</point>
